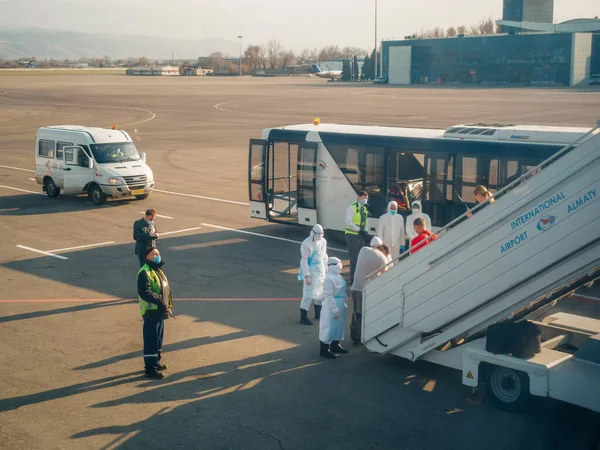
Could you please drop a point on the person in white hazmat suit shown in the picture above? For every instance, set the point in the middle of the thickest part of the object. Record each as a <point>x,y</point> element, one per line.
<point>312,272</point>
<point>333,317</point>
<point>391,230</point>
<point>416,212</point>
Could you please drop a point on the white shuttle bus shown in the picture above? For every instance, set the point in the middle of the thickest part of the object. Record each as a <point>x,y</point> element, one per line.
<point>72,160</point>
<point>307,174</point>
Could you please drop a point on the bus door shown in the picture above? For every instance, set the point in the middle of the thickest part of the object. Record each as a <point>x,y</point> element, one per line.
<point>438,194</point>
<point>404,167</point>
<point>307,183</point>
<point>257,178</point>
<point>282,177</point>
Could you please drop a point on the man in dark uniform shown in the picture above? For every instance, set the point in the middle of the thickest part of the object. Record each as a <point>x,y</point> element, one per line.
<point>356,226</point>
<point>154,295</point>
<point>144,235</point>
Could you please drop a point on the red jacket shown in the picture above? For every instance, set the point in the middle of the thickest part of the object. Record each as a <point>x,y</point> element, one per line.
<point>418,242</point>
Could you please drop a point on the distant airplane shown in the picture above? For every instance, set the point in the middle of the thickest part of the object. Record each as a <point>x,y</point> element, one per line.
<point>329,74</point>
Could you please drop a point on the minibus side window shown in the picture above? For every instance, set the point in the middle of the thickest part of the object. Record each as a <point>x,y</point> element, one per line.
<point>46,148</point>
<point>59,148</point>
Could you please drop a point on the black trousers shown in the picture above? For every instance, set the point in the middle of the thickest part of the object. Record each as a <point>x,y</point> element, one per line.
<point>354,242</point>
<point>153,332</point>
<point>356,324</point>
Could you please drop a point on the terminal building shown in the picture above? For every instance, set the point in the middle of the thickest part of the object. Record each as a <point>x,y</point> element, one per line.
<point>532,51</point>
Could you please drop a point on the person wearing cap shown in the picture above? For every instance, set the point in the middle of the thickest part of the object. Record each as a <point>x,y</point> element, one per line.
<point>370,260</point>
<point>333,319</point>
<point>391,230</point>
<point>416,212</point>
<point>356,225</point>
<point>312,272</point>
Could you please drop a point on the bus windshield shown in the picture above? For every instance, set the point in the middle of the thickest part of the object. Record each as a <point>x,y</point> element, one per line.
<point>115,152</point>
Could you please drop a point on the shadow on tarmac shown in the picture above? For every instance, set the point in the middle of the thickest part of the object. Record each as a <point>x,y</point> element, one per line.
<point>37,205</point>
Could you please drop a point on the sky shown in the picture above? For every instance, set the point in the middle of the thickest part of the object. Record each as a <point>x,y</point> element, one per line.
<point>297,24</point>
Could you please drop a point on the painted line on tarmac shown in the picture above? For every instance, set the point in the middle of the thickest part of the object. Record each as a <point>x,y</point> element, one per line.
<point>58,250</point>
<point>35,250</point>
<point>265,236</point>
<point>132,300</point>
<point>16,168</point>
<point>202,197</point>
<point>31,179</point>
<point>21,190</point>
<point>152,116</point>
<point>158,215</point>
<point>179,231</point>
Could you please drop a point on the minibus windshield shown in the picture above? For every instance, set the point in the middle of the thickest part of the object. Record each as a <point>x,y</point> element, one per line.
<point>115,152</point>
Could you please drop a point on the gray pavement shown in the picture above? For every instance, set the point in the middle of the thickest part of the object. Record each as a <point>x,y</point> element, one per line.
<point>242,372</point>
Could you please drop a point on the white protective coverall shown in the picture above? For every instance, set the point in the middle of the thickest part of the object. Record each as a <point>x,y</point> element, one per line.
<point>391,230</point>
<point>313,264</point>
<point>417,212</point>
<point>334,304</point>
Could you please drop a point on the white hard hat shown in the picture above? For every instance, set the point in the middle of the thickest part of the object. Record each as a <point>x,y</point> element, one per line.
<point>375,242</point>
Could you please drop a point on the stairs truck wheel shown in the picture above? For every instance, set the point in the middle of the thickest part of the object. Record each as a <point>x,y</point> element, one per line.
<point>97,195</point>
<point>142,197</point>
<point>51,189</point>
<point>507,389</point>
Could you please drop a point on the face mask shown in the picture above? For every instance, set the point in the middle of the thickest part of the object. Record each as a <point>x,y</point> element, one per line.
<point>416,210</point>
<point>393,212</point>
<point>362,201</point>
<point>150,222</point>
<point>157,259</point>
<point>318,237</point>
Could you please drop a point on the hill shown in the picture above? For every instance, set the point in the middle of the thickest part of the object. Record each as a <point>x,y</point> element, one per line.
<point>62,44</point>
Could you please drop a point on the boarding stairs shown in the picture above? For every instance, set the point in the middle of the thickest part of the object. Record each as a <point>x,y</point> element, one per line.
<point>534,245</point>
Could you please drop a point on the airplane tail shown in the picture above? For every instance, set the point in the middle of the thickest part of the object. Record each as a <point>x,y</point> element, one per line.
<point>316,68</point>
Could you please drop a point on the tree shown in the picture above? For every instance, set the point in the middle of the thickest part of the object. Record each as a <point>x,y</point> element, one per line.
<point>451,32</point>
<point>355,74</point>
<point>374,64</point>
<point>143,61</point>
<point>330,52</point>
<point>437,33</point>
<point>288,58</point>
<point>487,26</point>
<point>367,68</point>
<point>304,57</point>
<point>274,49</point>
<point>254,57</point>
<point>461,29</point>
<point>346,70</point>
<point>216,61</point>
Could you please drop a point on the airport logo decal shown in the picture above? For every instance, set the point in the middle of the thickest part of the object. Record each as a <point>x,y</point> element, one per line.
<point>321,165</point>
<point>545,223</point>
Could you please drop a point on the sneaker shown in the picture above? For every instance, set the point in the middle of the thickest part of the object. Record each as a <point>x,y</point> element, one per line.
<point>162,367</point>
<point>154,375</point>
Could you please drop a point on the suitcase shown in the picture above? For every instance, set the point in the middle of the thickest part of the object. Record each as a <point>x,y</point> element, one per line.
<point>521,339</point>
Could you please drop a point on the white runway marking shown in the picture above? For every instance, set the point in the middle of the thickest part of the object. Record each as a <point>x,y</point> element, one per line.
<point>251,233</point>
<point>31,179</point>
<point>202,197</point>
<point>58,250</point>
<point>179,231</point>
<point>21,190</point>
<point>16,168</point>
<point>35,250</point>
<point>159,215</point>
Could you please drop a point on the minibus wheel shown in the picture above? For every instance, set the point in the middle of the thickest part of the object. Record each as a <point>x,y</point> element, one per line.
<point>97,195</point>
<point>142,197</point>
<point>51,189</point>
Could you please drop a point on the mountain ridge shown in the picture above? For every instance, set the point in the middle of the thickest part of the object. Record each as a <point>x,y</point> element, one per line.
<point>60,44</point>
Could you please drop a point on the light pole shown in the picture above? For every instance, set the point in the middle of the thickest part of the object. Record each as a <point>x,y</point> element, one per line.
<point>240,38</point>
<point>375,62</point>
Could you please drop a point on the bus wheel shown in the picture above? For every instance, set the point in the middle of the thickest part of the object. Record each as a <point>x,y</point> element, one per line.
<point>97,195</point>
<point>51,190</point>
<point>507,389</point>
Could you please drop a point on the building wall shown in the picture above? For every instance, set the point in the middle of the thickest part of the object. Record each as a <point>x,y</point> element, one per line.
<point>541,11</point>
<point>539,58</point>
<point>595,64</point>
<point>581,59</point>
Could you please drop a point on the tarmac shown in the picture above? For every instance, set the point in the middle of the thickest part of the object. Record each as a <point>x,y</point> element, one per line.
<point>243,374</point>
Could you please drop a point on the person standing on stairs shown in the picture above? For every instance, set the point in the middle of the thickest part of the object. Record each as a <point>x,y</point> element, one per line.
<point>312,272</point>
